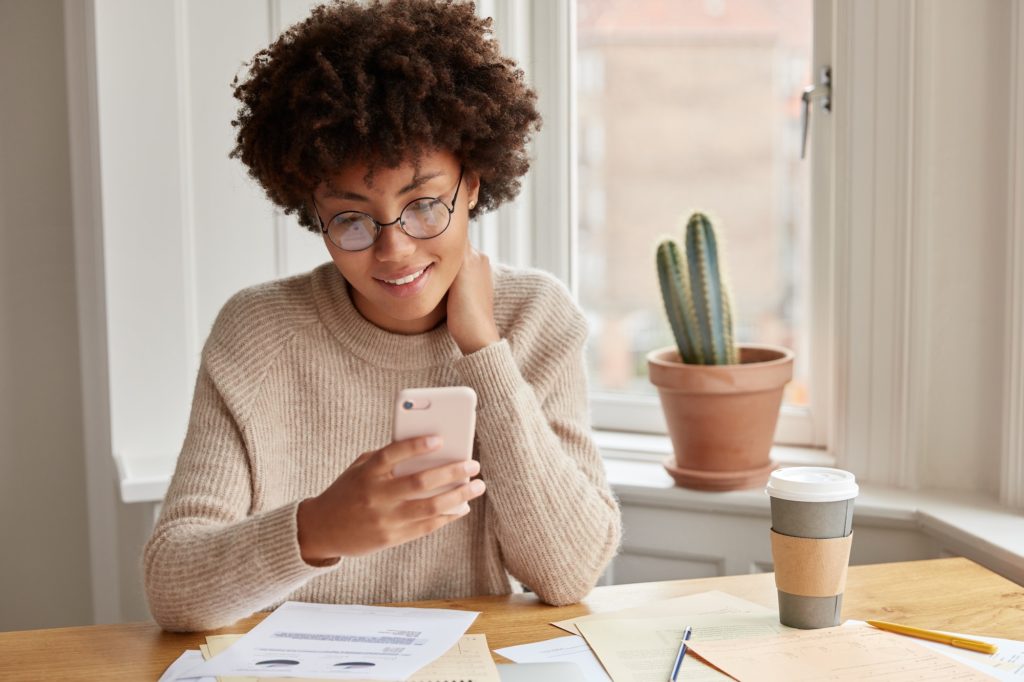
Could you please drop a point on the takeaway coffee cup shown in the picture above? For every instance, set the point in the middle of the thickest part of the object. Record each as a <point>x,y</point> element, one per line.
<point>812,531</point>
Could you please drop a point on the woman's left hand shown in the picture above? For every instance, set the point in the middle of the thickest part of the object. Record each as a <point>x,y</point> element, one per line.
<point>471,304</point>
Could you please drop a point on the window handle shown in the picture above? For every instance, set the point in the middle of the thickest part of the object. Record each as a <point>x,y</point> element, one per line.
<point>822,91</point>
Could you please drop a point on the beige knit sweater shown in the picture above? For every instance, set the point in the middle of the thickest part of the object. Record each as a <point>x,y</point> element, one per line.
<point>295,384</point>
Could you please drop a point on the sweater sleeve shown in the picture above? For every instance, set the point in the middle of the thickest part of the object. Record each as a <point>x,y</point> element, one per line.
<point>209,562</point>
<point>556,519</point>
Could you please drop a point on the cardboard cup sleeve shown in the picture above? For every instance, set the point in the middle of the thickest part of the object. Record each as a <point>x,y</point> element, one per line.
<point>808,567</point>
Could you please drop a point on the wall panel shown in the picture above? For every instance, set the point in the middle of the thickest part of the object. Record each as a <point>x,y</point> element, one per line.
<point>232,222</point>
<point>669,543</point>
<point>143,211</point>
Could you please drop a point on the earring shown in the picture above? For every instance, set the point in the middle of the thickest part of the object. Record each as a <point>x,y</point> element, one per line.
<point>472,204</point>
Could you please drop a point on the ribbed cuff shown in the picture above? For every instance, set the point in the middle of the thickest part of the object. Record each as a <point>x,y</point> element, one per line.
<point>278,543</point>
<point>491,372</point>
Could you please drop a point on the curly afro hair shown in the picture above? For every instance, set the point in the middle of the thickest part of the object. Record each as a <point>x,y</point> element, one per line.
<point>382,84</point>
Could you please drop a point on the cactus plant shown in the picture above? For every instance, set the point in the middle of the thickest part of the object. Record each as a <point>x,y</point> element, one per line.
<point>695,295</point>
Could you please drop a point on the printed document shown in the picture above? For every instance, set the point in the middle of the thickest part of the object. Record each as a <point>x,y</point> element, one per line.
<point>469,659</point>
<point>341,642</point>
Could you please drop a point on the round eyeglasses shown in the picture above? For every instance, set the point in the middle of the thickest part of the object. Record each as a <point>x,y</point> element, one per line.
<point>423,218</point>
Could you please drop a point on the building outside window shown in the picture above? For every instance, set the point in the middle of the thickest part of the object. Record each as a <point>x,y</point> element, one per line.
<point>685,106</point>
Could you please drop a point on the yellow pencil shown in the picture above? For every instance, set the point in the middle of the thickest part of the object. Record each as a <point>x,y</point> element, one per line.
<point>961,642</point>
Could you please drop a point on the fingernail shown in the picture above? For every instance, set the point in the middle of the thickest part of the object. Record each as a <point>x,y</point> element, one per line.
<point>433,442</point>
<point>476,486</point>
<point>472,467</point>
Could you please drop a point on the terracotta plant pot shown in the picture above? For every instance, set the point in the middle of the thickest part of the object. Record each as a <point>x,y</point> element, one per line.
<point>721,418</point>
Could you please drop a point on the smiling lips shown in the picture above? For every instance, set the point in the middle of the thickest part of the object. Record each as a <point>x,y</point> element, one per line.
<point>407,285</point>
<point>408,278</point>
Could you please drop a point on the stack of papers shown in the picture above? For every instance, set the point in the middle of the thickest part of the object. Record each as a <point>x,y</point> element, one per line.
<point>639,644</point>
<point>747,641</point>
<point>332,642</point>
<point>469,657</point>
<point>731,637</point>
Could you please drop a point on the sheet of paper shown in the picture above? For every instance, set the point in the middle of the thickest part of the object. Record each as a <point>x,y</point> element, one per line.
<point>572,649</point>
<point>644,649</point>
<point>1006,664</point>
<point>704,603</point>
<point>188,660</point>
<point>341,642</point>
<point>469,659</point>
<point>836,654</point>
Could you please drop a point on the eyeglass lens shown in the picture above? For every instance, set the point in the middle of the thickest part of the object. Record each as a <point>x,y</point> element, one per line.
<point>421,219</point>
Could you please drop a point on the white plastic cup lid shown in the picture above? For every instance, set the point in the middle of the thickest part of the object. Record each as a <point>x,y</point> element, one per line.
<point>812,484</point>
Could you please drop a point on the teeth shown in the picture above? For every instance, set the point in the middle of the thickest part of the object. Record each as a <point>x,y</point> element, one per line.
<point>406,280</point>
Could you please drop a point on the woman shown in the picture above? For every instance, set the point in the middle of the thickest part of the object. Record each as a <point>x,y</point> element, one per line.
<point>385,128</point>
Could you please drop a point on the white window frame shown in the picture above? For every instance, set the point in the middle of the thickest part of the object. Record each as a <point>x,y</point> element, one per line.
<point>538,229</point>
<point>551,193</point>
<point>874,316</point>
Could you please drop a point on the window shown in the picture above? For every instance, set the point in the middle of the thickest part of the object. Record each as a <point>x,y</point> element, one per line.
<point>686,106</point>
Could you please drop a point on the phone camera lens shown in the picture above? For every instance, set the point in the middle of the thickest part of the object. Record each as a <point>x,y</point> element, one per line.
<point>407,405</point>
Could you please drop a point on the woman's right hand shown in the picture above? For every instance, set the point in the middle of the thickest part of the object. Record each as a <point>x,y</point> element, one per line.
<point>368,509</point>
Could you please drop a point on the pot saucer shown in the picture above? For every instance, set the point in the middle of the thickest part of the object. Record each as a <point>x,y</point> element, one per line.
<point>698,479</point>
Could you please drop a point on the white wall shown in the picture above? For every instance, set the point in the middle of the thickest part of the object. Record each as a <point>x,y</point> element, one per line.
<point>44,564</point>
<point>45,571</point>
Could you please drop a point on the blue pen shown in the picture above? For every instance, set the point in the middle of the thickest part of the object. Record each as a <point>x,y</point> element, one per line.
<point>682,652</point>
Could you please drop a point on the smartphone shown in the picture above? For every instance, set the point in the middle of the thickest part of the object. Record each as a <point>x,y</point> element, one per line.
<point>448,412</point>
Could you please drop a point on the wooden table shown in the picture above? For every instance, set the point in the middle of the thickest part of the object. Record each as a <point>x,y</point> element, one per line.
<point>944,594</point>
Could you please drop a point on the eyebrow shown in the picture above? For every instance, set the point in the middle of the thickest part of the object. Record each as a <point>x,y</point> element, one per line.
<point>417,181</point>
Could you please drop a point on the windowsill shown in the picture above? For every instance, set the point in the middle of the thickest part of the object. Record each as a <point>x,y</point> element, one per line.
<point>968,524</point>
<point>144,479</point>
<point>647,448</point>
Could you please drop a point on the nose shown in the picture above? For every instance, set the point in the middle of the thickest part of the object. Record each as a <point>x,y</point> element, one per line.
<point>393,245</point>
